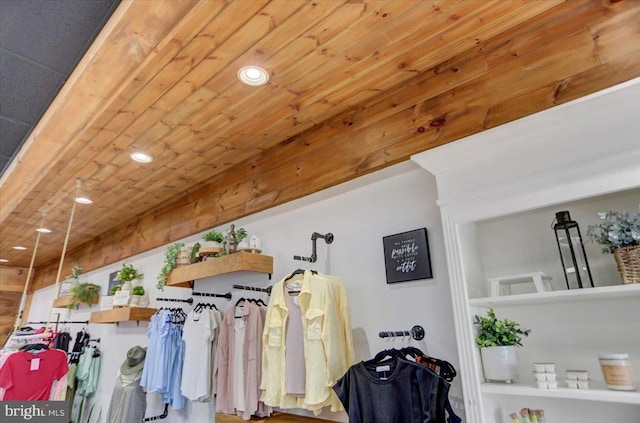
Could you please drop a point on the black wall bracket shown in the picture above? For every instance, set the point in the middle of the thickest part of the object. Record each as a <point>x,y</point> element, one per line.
<point>328,238</point>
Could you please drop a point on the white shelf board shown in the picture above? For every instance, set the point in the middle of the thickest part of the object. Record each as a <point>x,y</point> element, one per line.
<point>596,392</point>
<point>599,293</point>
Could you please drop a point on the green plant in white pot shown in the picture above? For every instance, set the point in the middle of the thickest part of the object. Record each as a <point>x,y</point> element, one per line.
<point>127,275</point>
<point>213,238</point>
<point>136,295</point>
<point>497,340</point>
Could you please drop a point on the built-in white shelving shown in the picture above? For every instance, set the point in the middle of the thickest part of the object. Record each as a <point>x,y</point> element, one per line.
<point>498,191</point>
<point>596,392</point>
<point>600,293</point>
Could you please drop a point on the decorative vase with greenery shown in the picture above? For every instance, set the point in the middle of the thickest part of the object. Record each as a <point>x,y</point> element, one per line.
<point>619,233</point>
<point>497,340</point>
<point>83,293</point>
<point>127,275</point>
<point>170,263</point>
<point>213,238</point>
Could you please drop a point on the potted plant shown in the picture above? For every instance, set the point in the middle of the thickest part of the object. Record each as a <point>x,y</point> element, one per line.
<point>136,295</point>
<point>83,293</point>
<point>70,281</point>
<point>213,238</point>
<point>170,263</point>
<point>497,340</point>
<point>619,233</point>
<point>241,235</point>
<point>127,275</point>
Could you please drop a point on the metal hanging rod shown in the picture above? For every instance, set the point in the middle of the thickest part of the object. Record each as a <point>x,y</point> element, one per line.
<point>61,322</point>
<point>176,300</point>
<point>208,294</point>
<point>416,332</point>
<point>328,238</point>
<point>253,288</point>
<point>164,415</point>
<point>95,340</point>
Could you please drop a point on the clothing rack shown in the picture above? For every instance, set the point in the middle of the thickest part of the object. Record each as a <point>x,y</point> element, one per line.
<point>328,238</point>
<point>61,322</point>
<point>253,288</point>
<point>176,300</point>
<point>416,332</point>
<point>208,294</point>
<point>164,415</point>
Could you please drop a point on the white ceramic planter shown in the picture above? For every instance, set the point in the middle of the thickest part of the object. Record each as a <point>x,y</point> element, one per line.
<point>499,363</point>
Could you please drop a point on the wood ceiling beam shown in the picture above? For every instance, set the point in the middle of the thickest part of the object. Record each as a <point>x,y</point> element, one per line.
<point>526,70</point>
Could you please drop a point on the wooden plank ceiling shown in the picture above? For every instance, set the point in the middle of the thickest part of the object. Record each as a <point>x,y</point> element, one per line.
<point>355,86</point>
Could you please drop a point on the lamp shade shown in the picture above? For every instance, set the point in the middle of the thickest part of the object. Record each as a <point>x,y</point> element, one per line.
<point>572,255</point>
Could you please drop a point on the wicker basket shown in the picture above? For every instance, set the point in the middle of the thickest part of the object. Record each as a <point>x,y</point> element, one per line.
<point>184,257</point>
<point>628,260</point>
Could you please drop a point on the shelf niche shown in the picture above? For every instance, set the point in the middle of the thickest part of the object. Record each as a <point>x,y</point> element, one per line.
<point>123,314</point>
<point>183,276</point>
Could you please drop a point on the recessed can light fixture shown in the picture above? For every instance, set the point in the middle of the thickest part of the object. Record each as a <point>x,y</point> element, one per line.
<point>44,230</point>
<point>253,75</point>
<point>4,261</point>
<point>19,247</point>
<point>81,199</point>
<point>141,157</point>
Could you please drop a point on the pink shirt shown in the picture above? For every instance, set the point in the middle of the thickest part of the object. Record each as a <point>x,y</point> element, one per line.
<point>28,377</point>
<point>253,319</point>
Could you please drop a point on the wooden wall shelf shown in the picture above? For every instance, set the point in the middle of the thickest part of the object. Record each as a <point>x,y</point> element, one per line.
<point>183,276</point>
<point>65,300</point>
<point>122,314</point>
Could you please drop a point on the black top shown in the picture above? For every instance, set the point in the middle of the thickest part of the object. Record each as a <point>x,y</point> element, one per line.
<point>393,391</point>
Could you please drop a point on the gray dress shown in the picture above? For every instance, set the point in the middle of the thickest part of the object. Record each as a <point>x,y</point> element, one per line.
<point>128,402</point>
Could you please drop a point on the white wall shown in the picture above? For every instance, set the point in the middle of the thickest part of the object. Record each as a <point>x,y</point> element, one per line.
<point>359,213</point>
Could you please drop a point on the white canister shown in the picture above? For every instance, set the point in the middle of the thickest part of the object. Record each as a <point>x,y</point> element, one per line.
<point>617,372</point>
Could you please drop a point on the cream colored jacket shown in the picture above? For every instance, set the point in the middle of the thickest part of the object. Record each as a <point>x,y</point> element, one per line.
<point>328,342</point>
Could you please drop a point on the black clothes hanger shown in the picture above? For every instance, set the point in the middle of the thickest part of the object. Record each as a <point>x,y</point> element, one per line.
<point>413,351</point>
<point>34,347</point>
<point>299,272</point>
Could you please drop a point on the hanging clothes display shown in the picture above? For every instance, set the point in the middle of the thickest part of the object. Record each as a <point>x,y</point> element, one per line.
<point>320,302</point>
<point>88,372</point>
<point>162,373</point>
<point>128,401</point>
<point>28,375</point>
<point>200,334</point>
<point>238,363</point>
<point>391,388</point>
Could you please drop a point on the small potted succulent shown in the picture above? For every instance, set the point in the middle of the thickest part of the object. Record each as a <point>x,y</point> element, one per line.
<point>136,295</point>
<point>213,238</point>
<point>497,340</point>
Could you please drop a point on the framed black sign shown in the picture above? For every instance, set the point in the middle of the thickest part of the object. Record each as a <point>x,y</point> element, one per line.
<point>406,256</point>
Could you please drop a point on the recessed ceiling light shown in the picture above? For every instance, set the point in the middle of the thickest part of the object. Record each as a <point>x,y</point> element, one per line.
<point>44,230</point>
<point>253,75</point>
<point>4,261</point>
<point>19,247</point>
<point>83,200</point>
<point>141,157</point>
